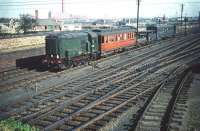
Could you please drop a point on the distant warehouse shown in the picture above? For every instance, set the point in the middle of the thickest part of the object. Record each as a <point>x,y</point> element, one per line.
<point>47,25</point>
<point>70,26</point>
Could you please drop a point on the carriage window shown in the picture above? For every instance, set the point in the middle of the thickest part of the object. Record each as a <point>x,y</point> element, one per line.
<point>111,39</point>
<point>121,36</point>
<point>118,37</point>
<point>106,39</point>
<point>125,36</point>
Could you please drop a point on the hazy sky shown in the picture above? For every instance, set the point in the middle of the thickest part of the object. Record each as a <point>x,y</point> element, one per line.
<point>99,8</point>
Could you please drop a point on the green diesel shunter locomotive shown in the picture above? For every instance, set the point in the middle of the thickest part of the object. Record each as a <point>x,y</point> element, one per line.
<point>67,49</point>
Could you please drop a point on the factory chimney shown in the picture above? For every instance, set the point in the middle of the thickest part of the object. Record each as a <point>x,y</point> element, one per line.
<point>36,14</point>
<point>49,15</point>
<point>62,6</point>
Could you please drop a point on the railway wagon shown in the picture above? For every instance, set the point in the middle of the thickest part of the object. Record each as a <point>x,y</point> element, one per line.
<point>73,48</point>
<point>115,40</point>
<point>70,49</point>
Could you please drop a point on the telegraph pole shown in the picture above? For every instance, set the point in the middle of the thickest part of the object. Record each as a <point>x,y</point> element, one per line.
<point>199,19</point>
<point>174,30</point>
<point>182,6</point>
<point>62,6</point>
<point>138,9</point>
<point>185,25</point>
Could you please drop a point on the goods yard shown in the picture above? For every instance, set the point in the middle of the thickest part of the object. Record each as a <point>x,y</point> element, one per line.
<point>145,87</point>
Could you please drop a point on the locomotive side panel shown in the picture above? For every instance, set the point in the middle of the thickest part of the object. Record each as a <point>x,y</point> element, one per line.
<point>73,48</point>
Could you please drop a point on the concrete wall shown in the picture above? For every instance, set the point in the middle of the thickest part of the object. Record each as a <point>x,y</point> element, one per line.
<point>9,59</point>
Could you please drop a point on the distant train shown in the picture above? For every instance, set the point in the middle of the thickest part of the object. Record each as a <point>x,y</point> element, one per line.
<point>66,49</point>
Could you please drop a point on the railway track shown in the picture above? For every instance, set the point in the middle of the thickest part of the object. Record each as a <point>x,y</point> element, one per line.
<point>163,108</point>
<point>83,81</point>
<point>50,109</point>
<point>9,74</point>
<point>21,77</point>
<point>148,88</point>
<point>101,93</point>
<point>23,74</point>
<point>26,80</point>
<point>10,77</point>
<point>146,108</point>
<point>175,116</point>
<point>83,116</point>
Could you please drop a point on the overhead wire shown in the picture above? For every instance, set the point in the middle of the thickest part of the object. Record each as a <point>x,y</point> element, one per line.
<point>27,3</point>
<point>47,4</point>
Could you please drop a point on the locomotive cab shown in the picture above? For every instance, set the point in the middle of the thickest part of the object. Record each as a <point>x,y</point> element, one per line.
<point>53,56</point>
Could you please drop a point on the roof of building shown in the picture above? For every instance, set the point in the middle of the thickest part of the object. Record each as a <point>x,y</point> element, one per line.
<point>3,26</point>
